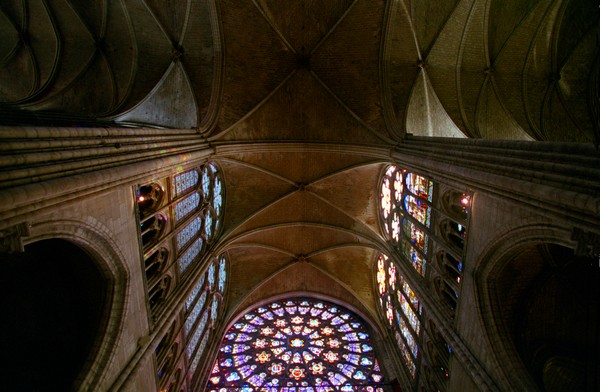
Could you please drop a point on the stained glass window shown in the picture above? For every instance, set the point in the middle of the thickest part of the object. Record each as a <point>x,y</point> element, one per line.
<point>401,308</point>
<point>189,232</point>
<point>183,182</point>
<point>420,186</point>
<point>203,307</point>
<point>186,206</point>
<point>298,345</point>
<point>190,254</point>
<point>406,213</point>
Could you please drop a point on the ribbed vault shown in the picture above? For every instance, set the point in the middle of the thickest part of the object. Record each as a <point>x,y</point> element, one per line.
<point>497,69</point>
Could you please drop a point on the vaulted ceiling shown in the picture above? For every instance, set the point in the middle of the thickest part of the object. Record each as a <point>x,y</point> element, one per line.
<point>303,99</point>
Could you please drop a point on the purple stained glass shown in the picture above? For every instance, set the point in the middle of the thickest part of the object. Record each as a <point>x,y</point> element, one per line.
<point>299,345</point>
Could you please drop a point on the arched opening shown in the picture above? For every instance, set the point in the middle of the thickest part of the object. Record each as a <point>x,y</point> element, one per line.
<point>550,308</point>
<point>149,197</point>
<point>53,300</point>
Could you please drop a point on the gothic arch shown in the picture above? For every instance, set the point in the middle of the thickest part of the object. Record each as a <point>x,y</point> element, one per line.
<point>96,241</point>
<point>501,299</point>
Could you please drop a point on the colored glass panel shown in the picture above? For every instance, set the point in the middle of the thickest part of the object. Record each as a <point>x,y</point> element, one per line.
<point>193,342</point>
<point>199,352</point>
<point>208,225</point>
<point>222,274</point>
<point>420,186</point>
<point>190,299</point>
<point>415,258</point>
<point>401,305</point>
<point>386,198</point>
<point>418,209</point>
<point>190,255</point>
<point>308,342</point>
<point>206,182</point>
<point>185,206</point>
<point>211,275</point>
<point>189,232</point>
<point>193,316</point>
<point>183,182</point>
<point>417,237</point>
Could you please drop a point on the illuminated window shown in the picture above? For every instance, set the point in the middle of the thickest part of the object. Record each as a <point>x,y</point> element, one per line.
<point>401,309</point>
<point>405,209</point>
<point>298,344</point>
<point>203,308</point>
<point>183,182</point>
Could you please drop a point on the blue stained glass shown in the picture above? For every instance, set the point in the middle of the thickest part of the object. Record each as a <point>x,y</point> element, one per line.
<point>214,309</point>
<point>189,232</point>
<point>217,200</point>
<point>352,358</point>
<point>196,360</point>
<point>348,370</point>
<point>247,370</point>
<point>227,363</point>
<point>194,293</point>
<point>366,348</point>
<point>419,186</point>
<point>186,206</point>
<point>206,181</point>
<point>418,209</point>
<point>243,337</point>
<point>359,376</point>
<point>208,225</point>
<point>190,255</point>
<point>354,347</point>
<point>191,319</point>
<point>226,349</point>
<point>211,276</point>
<point>222,274</point>
<point>241,359</point>
<point>231,336</point>
<point>233,376</point>
<point>197,333</point>
<point>326,315</point>
<point>240,348</point>
<point>345,328</point>
<point>292,354</point>
<point>366,361</point>
<point>257,321</point>
<point>337,321</point>
<point>183,182</point>
<point>268,316</point>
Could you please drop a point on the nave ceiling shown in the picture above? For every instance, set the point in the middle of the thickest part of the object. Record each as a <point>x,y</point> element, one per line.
<point>302,100</point>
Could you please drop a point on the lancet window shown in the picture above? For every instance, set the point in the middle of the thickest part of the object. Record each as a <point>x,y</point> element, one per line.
<point>203,308</point>
<point>179,218</point>
<point>300,345</point>
<point>200,315</point>
<point>401,309</point>
<point>405,208</point>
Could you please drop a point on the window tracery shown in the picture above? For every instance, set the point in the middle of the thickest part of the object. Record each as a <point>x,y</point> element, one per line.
<point>405,209</point>
<point>203,308</point>
<point>299,345</point>
<point>402,310</point>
